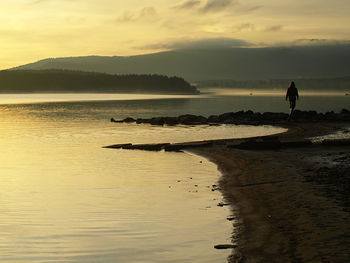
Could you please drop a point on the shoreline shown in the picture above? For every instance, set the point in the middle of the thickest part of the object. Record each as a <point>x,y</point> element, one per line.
<point>284,213</point>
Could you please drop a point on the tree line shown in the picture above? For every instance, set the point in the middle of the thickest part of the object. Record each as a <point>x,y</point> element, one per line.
<point>29,81</point>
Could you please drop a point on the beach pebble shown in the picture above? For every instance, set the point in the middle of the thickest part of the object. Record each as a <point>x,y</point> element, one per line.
<point>225,246</point>
<point>221,204</point>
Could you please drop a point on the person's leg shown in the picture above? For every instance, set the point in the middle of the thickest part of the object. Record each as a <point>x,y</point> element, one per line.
<point>291,106</point>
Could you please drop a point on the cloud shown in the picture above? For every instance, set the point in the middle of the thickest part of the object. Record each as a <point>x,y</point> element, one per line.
<point>189,4</point>
<point>201,44</point>
<point>38,1</point>
<point>245,27</point>
<point>216,5</point>
<point>146,13</point>
<point>127,16</point>
<point>253,8</point>
<point>313,42</point>
<point>274,28</point>
<point>319,42</point>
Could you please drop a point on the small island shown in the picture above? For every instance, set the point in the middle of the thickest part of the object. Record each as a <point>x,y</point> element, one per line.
<point>67,81</point>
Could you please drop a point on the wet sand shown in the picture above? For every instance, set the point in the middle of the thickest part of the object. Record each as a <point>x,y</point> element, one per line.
<point>292,205</point>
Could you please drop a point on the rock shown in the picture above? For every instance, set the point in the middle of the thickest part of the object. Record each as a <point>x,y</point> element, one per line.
<point>157,121</point>
<point>305,116</point>
<point>274,116</point>
<point>215,187</point>
<point>117,146</point>
<point>146,147</point>
<point>229,116</point>
<point>189,119</point>
<point>221,204</point>
<point>129,120</point>
<point>245,117</point>
<point>345,111</point>
<point>139,121</point>
<point>171,120</point>
<point>114,120</point>
<point>214,119</point>
<point>173,148</point>
<point>225,246</point>
<point>180,146</point>
<point>329,116</point>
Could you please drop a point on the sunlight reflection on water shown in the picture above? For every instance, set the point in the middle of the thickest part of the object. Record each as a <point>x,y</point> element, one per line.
<point>65,199</point>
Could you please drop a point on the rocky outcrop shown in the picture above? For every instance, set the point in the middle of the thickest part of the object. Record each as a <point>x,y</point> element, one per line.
<point>245,117</point>
<point>118,146</point>
<point>257,143</point>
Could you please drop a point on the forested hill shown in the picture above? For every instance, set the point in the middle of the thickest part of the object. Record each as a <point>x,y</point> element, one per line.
<point>46,81</point>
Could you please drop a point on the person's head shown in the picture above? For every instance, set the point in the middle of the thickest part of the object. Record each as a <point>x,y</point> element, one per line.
<point>292,85</point>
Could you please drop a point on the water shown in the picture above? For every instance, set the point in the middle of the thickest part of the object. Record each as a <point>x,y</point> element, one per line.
<point>65,199</point>
<point>342,134</point>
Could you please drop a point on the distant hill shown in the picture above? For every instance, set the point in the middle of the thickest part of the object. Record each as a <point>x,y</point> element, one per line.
<point>29,81</point>
<point>220,63</point>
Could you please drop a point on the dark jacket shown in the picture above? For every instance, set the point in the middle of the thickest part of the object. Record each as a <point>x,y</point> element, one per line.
<point>292,93</point>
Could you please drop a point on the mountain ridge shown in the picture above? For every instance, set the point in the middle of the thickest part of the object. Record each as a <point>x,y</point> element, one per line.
<point>217,63</point>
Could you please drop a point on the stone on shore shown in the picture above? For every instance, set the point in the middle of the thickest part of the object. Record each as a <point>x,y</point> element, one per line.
<point>245,117</point>
<point>225,246</point>
<point>129,120</point>
<point>175,147</point>
<point>146,147</point>
<point>190,119</point>
<point>118,146</point>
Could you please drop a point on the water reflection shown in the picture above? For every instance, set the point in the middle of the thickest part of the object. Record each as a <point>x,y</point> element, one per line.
<point>65,199</point>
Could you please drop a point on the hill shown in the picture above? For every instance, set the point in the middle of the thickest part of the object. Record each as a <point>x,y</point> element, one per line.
<point>46,81</point>
<point>218,63</point>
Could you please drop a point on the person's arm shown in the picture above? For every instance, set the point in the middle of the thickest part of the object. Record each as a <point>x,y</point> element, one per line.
<point>287,94</point>
<point>297,94</point>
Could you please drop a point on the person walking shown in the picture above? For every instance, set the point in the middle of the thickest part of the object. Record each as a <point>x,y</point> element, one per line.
<point>292,95</point>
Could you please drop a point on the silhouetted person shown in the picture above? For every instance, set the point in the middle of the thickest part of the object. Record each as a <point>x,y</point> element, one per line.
<point>292,95</point>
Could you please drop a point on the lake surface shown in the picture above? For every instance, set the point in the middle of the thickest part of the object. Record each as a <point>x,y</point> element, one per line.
<point>64,198</point>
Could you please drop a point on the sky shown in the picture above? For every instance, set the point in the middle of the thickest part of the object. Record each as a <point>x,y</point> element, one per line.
<point>31,30</point>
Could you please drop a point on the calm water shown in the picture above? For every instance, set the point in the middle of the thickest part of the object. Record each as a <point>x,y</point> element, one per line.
<point>64,198</point>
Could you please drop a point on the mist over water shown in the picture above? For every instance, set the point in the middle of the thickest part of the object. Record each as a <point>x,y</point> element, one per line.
<point>211,101</point>
<point>65,199</point>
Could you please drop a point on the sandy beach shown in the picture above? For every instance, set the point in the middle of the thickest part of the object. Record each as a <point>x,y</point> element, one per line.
<point>291,205</point>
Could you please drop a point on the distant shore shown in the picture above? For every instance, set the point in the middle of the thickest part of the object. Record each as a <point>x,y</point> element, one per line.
<point>292,204</point>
